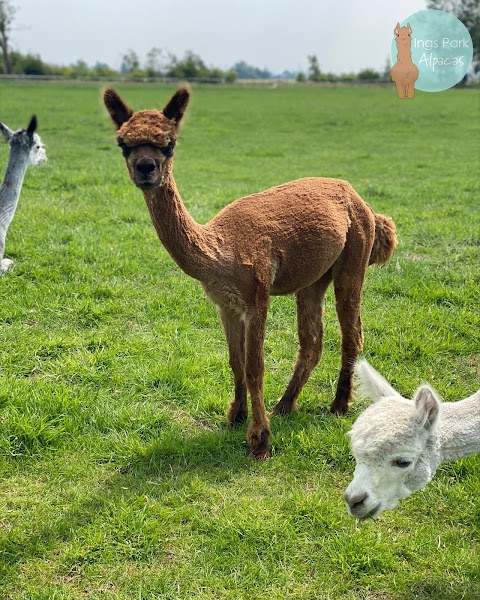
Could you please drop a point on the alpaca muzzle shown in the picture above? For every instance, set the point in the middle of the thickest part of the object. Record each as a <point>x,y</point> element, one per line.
<point>146,173</point>
<point>360,505</point>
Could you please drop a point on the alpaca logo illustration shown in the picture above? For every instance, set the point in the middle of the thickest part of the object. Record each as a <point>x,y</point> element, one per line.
<point>431,52</point>
<point>404,72</point>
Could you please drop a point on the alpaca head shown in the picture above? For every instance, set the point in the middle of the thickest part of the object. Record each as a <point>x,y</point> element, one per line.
<point>148,137</point>
<point>26,141</point>
<point>394,442</point>
<point>403,35</point>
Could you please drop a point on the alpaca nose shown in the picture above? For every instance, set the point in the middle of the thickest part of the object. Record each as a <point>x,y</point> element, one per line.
<point>355,500</point>
<point>145,165</point>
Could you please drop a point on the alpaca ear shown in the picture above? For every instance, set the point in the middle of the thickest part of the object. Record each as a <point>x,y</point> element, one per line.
<point>177,105</point>
<point>32,126</point>
<point>427,407</point>
<point>371,384</point>
<point>6,131</point>
<point>117,108</point>
<point>409,28</point>
<point>396,30</point>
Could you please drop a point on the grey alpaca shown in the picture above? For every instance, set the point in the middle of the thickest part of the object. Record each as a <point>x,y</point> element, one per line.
<point>26,148</point>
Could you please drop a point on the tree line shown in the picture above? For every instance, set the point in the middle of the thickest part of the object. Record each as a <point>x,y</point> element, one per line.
<point>189,67</point>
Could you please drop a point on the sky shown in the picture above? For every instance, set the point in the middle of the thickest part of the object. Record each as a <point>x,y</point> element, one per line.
<point>346,35</point>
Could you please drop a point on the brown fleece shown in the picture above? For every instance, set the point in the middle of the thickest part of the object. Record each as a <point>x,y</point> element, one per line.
<point>294,238</point>
<point>147,127</point>
<point>383,247</point>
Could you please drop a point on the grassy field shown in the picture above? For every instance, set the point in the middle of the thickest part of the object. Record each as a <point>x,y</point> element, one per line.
<point>119,478</point>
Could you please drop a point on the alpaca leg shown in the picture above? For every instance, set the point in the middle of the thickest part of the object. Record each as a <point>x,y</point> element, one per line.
<point>400,89</point>
<point>235,334</point>
<point>258,436</point>
<point>310,303</point>
<point>348,291</point>
<point>5,264</point>
<point>410,90</point>
<point>3,235</point>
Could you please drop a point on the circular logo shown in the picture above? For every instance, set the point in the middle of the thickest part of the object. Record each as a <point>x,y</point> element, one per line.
<point>438,44</point>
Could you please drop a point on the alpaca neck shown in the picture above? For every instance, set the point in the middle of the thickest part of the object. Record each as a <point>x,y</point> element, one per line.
<point>184,239</point>
<point>460,428</point>
<point>404,54</point>
<point>12,185</point>
<point>9,194</point>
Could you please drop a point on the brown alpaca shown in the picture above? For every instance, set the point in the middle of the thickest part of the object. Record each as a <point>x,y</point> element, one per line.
<point>404,73</point>
<point>294,238</point>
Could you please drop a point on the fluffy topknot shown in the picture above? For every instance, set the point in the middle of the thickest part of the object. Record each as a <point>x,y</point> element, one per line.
<point>147,127</point>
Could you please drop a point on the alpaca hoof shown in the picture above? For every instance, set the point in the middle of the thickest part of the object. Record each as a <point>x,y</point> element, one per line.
<point>236,415</point>
<point>5,264</point>
<point>283,408</point>
<point>257,455</point>
<point>339,409</point>
<point>259,444</point>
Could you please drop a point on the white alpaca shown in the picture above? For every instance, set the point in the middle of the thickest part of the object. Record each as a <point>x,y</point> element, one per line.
<point>398,444</point>
<point>26,148</point>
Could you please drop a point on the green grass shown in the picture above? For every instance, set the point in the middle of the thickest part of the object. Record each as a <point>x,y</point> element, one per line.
<point>119,478</point>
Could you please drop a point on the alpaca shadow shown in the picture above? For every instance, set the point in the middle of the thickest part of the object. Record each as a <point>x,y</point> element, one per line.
<point>205,453</point>
<point>32,541</point>
<point>166,462</point>
<point>169,461</point>
<point>313,433</point>
<point>220,452</point>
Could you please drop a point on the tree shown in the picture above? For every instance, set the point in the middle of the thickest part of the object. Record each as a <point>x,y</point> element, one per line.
<point>188,67</point>
<point>101,69</point>
<point>80,69</point>
<point>34,65</point>
<point>7,15</point>
<point>314,73</point>
<point>130,62</point>
<point>28,64</point>
<point>230,76</point>
<point>246,71</point>
<point>153,63</point>
<point>468,12</point>
<point>369,75</point>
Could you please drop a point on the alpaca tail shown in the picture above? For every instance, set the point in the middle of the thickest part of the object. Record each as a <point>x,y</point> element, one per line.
<point>385,240</point>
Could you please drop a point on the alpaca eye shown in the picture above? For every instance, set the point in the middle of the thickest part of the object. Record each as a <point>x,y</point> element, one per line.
<point>402,463</point>
<point>167,151</point>
<point>125,149</point>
